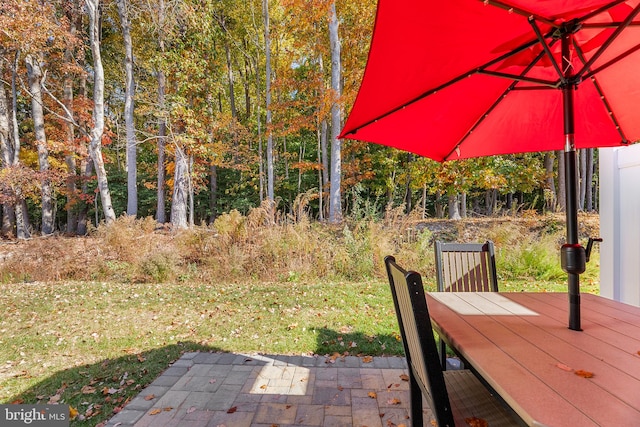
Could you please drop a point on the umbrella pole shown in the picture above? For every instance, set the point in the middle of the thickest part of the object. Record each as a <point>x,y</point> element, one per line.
<point>572,251</point>
<point>573,256</point>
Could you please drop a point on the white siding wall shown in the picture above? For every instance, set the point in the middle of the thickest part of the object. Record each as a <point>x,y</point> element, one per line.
<point>620,224</point>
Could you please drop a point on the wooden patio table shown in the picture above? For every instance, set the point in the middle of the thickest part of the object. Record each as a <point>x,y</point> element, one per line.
<point>520,345</point>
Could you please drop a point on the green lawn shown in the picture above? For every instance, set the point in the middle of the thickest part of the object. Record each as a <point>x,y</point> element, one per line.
<point>96,345</point>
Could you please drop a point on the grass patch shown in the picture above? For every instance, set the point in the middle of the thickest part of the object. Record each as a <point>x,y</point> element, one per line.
<point>95,345</point>
<point>117,307</point>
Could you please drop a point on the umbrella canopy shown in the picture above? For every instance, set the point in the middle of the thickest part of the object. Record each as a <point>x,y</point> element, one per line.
<point>467,78</point>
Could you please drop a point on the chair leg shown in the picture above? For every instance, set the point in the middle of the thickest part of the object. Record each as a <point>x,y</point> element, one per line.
<point>443,354</point>
<point>416,401</point>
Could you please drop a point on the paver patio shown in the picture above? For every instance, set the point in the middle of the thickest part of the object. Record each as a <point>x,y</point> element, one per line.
<point>237,390</point>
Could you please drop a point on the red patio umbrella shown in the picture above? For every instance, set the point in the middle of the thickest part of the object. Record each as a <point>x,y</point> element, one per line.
<point>467,78</point>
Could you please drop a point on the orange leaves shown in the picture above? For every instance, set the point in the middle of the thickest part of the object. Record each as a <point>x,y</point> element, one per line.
<point>157,411</point>
<point>579,372</point>
<point>584,374</point>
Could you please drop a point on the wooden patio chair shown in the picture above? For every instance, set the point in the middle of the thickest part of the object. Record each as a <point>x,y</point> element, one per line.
<point>453,396</point>
<point>464,267</point>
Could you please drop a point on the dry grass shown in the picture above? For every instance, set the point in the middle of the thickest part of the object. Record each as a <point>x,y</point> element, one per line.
<point>266,248</point>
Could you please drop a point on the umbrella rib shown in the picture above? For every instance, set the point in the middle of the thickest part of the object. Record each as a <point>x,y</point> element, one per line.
<point>430,92</point>
<point>607,106</point>
<point>599,11</point>
<point>511,87</point>
<point>549,83</point>
<point>545,46</point>
<point>611,62</point>
<point>519,11</point>
<point>608,42</point>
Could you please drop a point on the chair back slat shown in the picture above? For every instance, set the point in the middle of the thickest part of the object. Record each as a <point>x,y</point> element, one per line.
<point>418,340</point>
<point>466,267</point>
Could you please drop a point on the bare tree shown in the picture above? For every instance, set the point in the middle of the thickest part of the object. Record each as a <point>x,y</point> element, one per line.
<point>35,75</point>
<point>267,42</point>
<point>335,199</point>
<point>95,144</point>
<point>132,167</point>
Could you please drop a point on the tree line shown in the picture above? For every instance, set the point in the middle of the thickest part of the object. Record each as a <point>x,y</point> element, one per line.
<point>185,109</point>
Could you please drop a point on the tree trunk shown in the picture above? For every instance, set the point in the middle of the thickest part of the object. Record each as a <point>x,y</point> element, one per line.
<point>95,144</point>
<point>439,206</point>
<point>582,182</point>
<point>86,168</point>
<point>335,199</point>
<point>562,190</point>
<point>550,198</point>
<point>22,215</point>
<point>6,152</point>
<point>132,144</point>
<point>213,198</point>
<point>454,211</point>
<point>34,73</point>
<point>407,191</point>
<point>179,199</point>
<point>463,205</point>
<point>267,41</point>
<point>162,125</point>
<point>588,178</point>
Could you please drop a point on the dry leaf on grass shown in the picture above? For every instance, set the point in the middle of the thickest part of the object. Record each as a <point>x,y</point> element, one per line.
<point>476,422</point>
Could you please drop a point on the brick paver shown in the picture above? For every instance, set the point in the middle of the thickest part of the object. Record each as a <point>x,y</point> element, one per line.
<point>229,390</point>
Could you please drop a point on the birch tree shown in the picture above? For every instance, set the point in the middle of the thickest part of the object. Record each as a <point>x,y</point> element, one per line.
<point>335,200</point>
<point>35,75</point>
<point>95,144</point>
<point>132,167</point>
<point>267,43</point>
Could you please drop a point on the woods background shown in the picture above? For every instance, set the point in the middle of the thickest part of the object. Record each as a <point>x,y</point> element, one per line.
<point>182,110</point>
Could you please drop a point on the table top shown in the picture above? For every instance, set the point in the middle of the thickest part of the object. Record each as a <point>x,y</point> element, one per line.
<point>520,344</point>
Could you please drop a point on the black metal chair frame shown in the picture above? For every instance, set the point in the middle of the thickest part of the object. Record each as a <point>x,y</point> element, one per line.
<point>425,372</point>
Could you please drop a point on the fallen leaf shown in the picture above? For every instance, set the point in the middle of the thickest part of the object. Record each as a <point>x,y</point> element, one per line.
<point>141,358</point>
<point>155,411</point>
<point>232,410</point>
<point>367,359</point>
<point>372,394</point>
<point>18,401</point>
<point>564,367</point>
<point>191,409</point>
<point>340,388</point>
<point>263,386</point>
<point>150,397</point>
<point>476,422</point>
<point>394,401</point>
<point>212,381</point>
<point>88,390</point>
<point>404,377</point>
<point>168,408</point>
<point>73,412</point>
<point>583,374</point>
